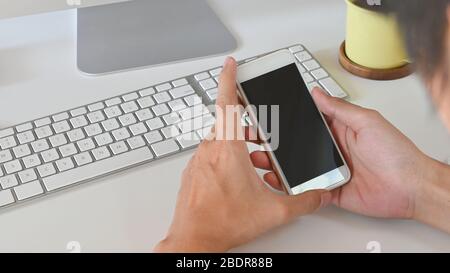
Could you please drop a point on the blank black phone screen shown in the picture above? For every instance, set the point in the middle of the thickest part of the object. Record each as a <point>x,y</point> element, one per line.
<point>305,148</point>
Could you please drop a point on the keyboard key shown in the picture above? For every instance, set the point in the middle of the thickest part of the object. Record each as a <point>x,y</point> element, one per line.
<point>192,100</point>
<point>25,137</point>
<point>193,112</point>
<point>118,147</point>
<point>6,198</point>
<point>311,65</point>
<point>201,76</point>
<point>144,114</point>
<point>96,116</point>
<point>204,132</point>
<point>196,123</point>
<point>171,118</point>
<point>182,91</point>
<point>216,72</point>
<point>101,153</point>
<point>155,123</point>
<point>147,92</point>
<point>113,111</point>
<point>43,132</point>
<point>313,85</point>
<point>163,87</point>
<point>303,56</point>
<point>333,88</point>
<point>7,142</point>
<point>212,94</point>
<point>5,156</point>
<point>46,170</point>
<point>179,82</point>
<point>162,97</point>
<point>61,127</point>
<point>307,77</point>
<point>130,97</point>
<point>96,106</point>
<point>188,140</point>
<point>296,49</point>
<point>146,102</point>
<point>127,119</point>
<point>165,147</point>
<point>136,142</point>
<point>12,166</point>
<point>208,84</point>
<point>60,117</point>
<point>83,159</point>
<point>6,132</point>
<point>68,150</point>
<point>170,132</point>
<point>27,176</point>
<point>177,105</point>
<point>42,122</point>
<point>78,112</point>
<point>78,122</point>
<point>65,164</point>
<point>112,102</point>
<point>58,140</point>
<point>40,145</point>
<point>129,107</point>
<point>86,144</point>
<point>103,139</point>
<point>8,181</point>
<point>49,155</point>
<point>97,169</point>
<point>153,137</point>
<point>75,135</point>
<point>93,130</point>
<point>31,161</point>
<point>138,129</point>
<point>121,134</point>
<point>21,151</point>
<point>24,127</point>
<point>319,74</point>
<point>160,109</point>
<point>28,190</point>
<point>110,124</point>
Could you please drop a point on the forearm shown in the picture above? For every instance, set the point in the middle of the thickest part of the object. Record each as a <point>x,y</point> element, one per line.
<point>432,204</point>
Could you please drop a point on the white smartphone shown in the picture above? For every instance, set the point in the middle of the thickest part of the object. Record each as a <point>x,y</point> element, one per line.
<point>305,156</point>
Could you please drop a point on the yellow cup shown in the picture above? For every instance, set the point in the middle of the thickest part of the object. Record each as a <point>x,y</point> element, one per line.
<point>373,39</point>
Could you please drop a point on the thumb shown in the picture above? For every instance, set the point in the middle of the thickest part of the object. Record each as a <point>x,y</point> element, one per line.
<point>349,114</point>
<point>306,203</point>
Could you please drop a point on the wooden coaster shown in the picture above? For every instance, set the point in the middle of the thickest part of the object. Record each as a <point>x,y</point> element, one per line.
<point>373,74</point>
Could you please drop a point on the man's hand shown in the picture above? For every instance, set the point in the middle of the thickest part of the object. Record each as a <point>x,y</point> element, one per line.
<point>387,168</point>
<point>222,202</point>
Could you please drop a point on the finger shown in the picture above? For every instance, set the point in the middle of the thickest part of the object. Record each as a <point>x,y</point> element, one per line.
<point>351,115</point>
<point>305,203</point>
<point>261,160</point>
<point>272,179</point>
<point>251,135</point>
<point>227,85</point>
<point>228,109</point>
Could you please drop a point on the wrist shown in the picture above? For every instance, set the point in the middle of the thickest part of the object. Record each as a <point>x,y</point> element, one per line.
<point>175,244</point>
<point>432,204</point>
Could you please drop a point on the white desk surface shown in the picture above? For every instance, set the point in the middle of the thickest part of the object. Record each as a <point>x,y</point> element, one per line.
<point>132,211</point>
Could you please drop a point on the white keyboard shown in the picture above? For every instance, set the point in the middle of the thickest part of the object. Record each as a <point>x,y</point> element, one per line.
<point>62,150</point>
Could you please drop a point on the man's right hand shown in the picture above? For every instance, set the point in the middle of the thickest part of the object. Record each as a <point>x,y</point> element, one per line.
<point>387,168</point>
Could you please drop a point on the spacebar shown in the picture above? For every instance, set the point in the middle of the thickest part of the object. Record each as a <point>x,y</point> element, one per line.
<point>96,169</point>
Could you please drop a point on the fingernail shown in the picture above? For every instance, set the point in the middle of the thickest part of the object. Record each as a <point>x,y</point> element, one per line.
<point>228,61</point>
